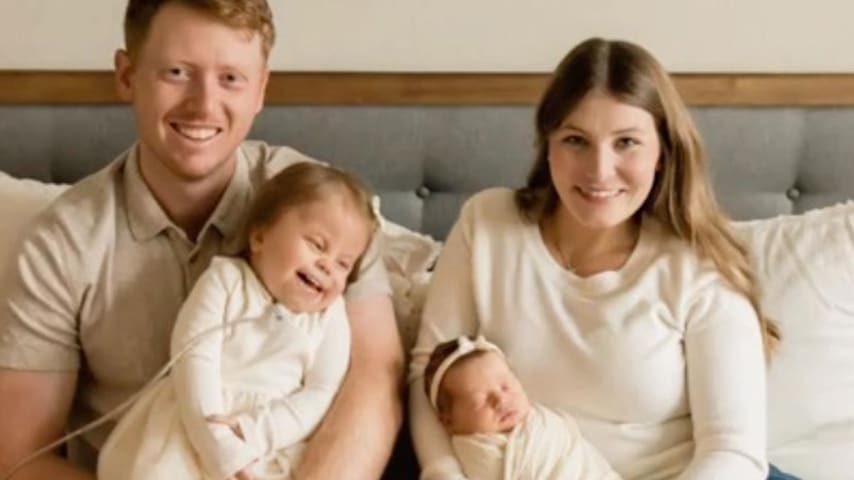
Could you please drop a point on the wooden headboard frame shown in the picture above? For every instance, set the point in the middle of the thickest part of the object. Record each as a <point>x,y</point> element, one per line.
<point>327,88</point>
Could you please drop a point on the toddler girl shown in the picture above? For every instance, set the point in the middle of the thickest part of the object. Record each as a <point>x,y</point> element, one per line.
<point>261,344</point>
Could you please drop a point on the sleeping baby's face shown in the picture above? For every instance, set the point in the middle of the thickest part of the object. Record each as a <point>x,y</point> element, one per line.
<point>479,394</point>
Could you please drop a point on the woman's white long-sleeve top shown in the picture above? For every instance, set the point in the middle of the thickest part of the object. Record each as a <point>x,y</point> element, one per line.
<point>660,362</point>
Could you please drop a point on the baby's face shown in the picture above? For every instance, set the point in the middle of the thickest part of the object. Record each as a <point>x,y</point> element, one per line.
<point>305,257</point>
<point>481,395</point>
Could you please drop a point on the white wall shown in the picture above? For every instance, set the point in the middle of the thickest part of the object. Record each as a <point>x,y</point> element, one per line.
<point>473,35</point>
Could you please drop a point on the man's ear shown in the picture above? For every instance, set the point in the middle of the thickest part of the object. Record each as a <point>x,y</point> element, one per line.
<point>124,72</point>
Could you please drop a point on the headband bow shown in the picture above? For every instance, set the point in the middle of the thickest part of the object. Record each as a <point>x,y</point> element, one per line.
<point>465,346</point>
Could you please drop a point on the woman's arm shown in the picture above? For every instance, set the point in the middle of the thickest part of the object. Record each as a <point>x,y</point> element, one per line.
<point>197,377</point>
<point>449,312</point>
<point>291,419</point>
<point>726,387</point>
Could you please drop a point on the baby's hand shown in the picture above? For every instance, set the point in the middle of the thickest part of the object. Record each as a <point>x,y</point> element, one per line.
<point>244,474</point>
<point>230,422</point>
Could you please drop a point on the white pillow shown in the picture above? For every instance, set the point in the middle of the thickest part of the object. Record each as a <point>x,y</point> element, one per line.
<point>805,267</point>
<point>409,258</point>
<point>20,201</point>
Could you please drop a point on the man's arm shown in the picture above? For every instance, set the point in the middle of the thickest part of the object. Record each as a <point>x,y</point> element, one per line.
<point>357,435</point>
<point>34,409</point>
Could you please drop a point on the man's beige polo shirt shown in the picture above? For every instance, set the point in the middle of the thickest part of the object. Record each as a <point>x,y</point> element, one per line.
<point>101,276</point>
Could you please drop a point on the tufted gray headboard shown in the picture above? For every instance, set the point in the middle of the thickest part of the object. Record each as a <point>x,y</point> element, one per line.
<point>424,161</point>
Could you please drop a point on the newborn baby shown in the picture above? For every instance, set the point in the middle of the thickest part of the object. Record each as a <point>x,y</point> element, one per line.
<point>496,432</point>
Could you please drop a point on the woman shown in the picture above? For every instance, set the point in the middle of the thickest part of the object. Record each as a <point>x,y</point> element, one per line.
<point>612,283</point>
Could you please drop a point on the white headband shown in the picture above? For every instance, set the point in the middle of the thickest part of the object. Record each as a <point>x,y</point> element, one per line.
<point>465,346</point>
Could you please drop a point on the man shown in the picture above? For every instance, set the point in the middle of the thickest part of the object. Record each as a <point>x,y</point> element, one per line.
<point>86,312</point>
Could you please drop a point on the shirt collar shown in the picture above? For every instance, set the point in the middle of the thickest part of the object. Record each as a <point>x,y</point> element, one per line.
<point>147,219</point>
<point>230,212</point>
<point>145,216</point>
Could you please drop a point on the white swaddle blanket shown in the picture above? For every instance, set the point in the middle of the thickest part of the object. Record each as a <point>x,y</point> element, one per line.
<point>546,445</point>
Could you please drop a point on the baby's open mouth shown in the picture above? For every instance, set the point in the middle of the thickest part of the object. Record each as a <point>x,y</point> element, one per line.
<point>310,281</point>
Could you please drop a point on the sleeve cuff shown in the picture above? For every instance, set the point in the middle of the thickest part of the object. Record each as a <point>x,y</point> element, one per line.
<point>258,434</point>
<point>232,454</point>
<point>442,470</point>
<point>21,356</point>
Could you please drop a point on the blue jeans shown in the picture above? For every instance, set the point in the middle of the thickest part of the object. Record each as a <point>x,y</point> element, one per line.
<point>775,474</point>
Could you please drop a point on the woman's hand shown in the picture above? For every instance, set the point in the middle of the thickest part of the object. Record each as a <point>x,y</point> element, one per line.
<point>231,422</point>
